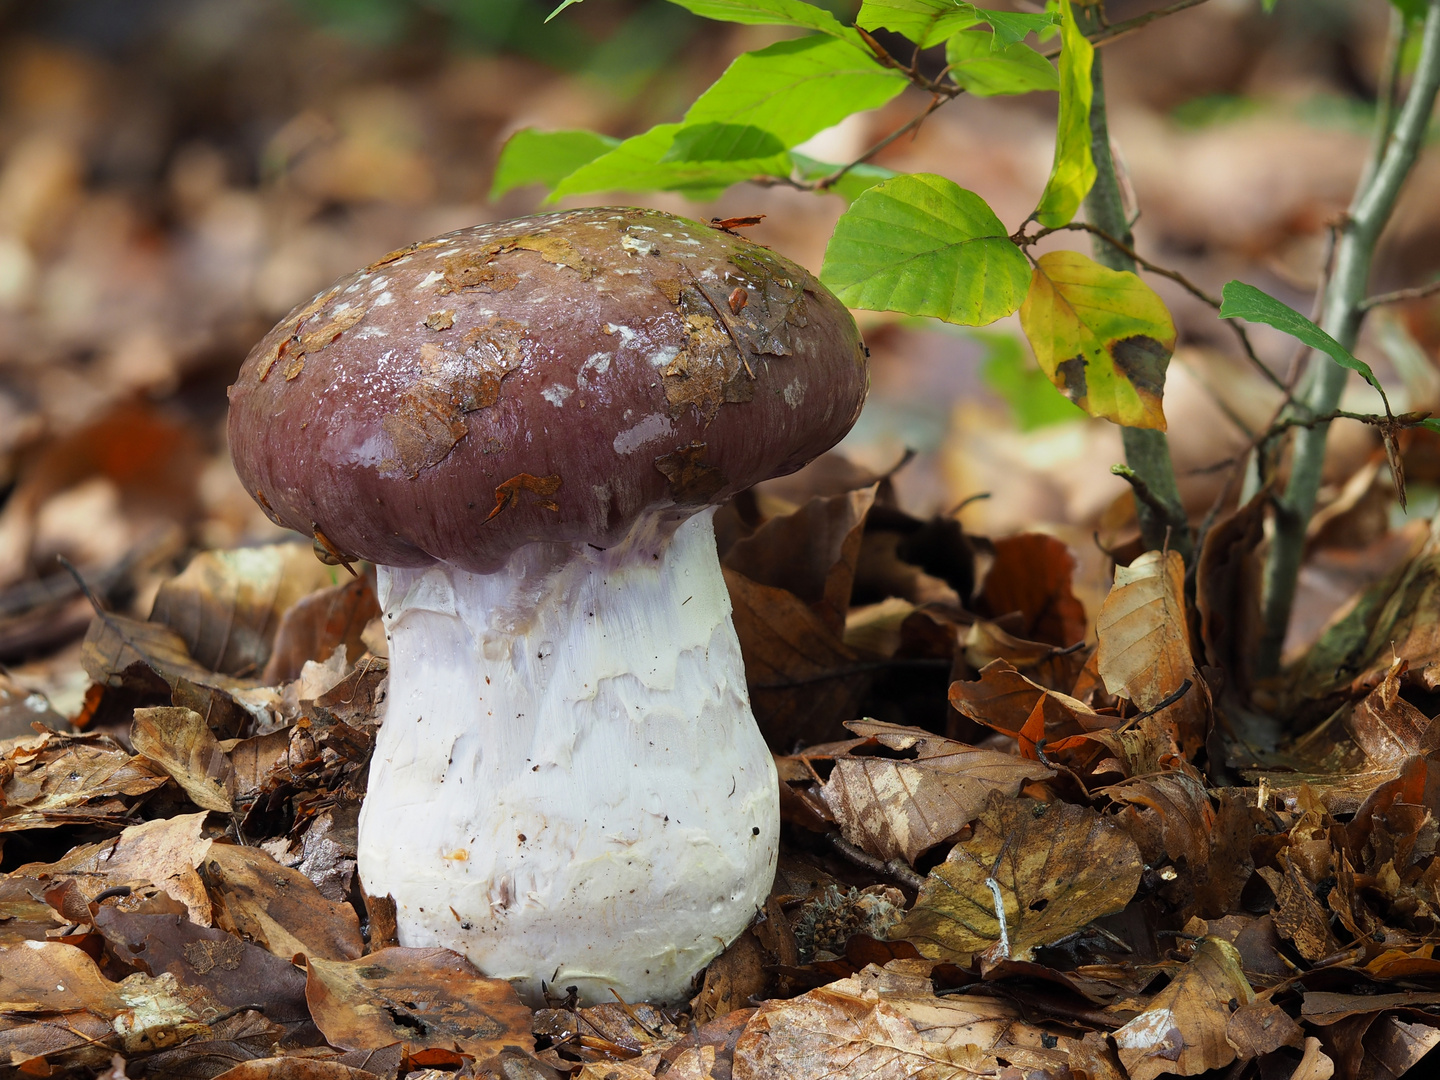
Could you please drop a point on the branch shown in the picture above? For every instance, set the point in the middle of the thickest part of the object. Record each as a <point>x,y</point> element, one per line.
<point>1374,201</point>
<point>1399,296</point>
<point>894,869</point>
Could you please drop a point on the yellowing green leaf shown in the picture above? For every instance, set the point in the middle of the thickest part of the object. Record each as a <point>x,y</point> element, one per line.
<point>923,245</point>
<point>1102,336</point>
<point>1056,867</point>
<point>1073,172</point>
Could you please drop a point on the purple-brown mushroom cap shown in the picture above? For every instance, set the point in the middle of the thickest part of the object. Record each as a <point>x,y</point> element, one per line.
<point>546,378</point>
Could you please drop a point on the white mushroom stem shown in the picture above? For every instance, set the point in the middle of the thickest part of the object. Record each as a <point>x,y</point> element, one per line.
<point>569,786</point>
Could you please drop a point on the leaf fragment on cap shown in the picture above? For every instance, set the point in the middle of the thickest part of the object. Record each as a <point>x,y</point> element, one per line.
<point>692,482</point>
<point>508,493</point>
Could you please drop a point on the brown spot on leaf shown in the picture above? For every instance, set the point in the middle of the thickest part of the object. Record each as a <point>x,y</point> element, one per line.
<point>692,482</point>
<point>440,320</point>
<point>430,417</point>
<point>1072,372</point>
<point>1142,360</point>
<point>508,493</point>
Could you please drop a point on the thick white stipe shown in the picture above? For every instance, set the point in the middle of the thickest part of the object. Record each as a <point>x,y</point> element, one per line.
<point>569,785</point>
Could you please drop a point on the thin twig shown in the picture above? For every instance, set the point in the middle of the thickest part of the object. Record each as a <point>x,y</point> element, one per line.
<point>894,869</point>
<point>1399,296</point>
<point>1140,487</point>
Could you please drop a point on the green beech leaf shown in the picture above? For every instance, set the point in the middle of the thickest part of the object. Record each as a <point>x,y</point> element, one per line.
<point>722,142</point>
<point>1102,336</point>
<point>986,71</point>
<point>923,245</point>
<point>636,165</point>
<point>545,157</point>
<point>1073,172</point>
<point>771,13</point>
<point>858,179</point>
<point>1012,26</point>
<point>1241,301</point>
<point>925,22</point>
<point>794,89</point>
<point>929,22</point>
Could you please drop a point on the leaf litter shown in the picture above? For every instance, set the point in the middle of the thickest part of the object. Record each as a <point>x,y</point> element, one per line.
<point>1077,865</point>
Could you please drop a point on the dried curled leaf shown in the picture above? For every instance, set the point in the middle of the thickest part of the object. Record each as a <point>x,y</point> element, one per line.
<point>1144,636</point>
<point>180,742</point>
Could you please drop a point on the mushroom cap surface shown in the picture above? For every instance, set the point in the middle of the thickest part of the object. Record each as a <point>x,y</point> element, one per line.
<point>549,378</point>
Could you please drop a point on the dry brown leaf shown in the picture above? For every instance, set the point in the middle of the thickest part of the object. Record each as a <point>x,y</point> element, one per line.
<point>312,628</point>
<point>1180,807</point>
<point>898,808</point>
<point>1182,1029</point>
<point>44,976</point>
<point>227,605</point>
<point>419,997</point>
<point>182,744</point>
<point>164,852</point>
<point>1055,867</point>
<point>278,907</point>
<point>60,779</point>
<point>1031,575</point>
<point>804,680</point>
<point>888,1026</point>
<point>1261,1027</point>
<point>115,642</point>
<point>811,553</point>
<point>1385,726</point>
<point>1144,652</point>
<point>1004,699</point>
<point>293,1068</point>
<point>231,971</point>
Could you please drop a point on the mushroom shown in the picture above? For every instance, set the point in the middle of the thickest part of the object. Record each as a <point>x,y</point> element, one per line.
<point>526,426</point>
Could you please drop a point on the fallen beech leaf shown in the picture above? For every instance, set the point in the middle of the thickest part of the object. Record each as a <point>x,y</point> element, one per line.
<point>182,744</point>
<point>1180,805</point>
<point>419,997</point>
<point>1031,575</point>
<point>279,907</point>
<point>63,1041</point>
<point>1056,867</point>
<point>811,553</point>
<point>227,605</point>
<point>1261,1027</point>
<point>164,852</point>
<point>312,628</point>
<point>243,1037</point>
<point>887,1024</point>
<point>293,1068</point>
<point>24,914</point>
<point>56,779</point>
<point>1007,701</point>
<point>1388,728</point>
<point>44,976</point>
<point>1182,1030</point>
<point>1144,637</point>
<point>229,969</point>
<point>899,808</point>
<point>804,680</point>
<point>113,643</point>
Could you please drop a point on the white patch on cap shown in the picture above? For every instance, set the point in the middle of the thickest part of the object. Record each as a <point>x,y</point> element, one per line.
<point>385,299</point>
<point>794,394</point>
<point>652,427</point>
<point>430,279</point>
<point>664,356</point>
<point>366,332</point>
<point>627,335</point>
<point>598,363</point>
<point>556,394</point>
